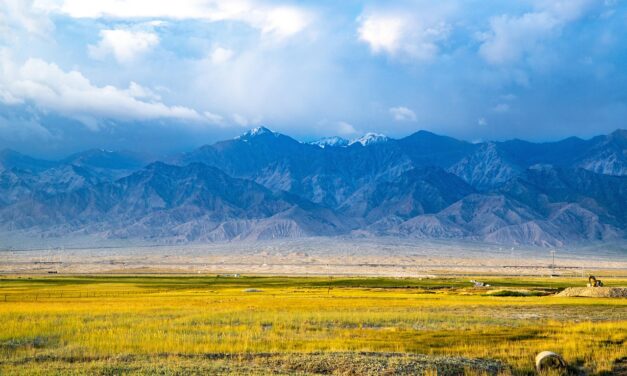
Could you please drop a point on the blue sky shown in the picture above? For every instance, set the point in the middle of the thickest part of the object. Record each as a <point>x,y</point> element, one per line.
<point>162,76</point>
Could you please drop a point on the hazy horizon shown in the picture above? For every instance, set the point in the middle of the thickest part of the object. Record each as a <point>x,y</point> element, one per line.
<point>159,154</point>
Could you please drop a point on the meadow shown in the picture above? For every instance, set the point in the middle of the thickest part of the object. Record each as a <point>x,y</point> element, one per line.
<point>114,325</point>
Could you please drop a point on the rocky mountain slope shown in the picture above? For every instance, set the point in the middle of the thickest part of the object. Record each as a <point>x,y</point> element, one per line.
<point>264,184</point>
<point>194,202</point>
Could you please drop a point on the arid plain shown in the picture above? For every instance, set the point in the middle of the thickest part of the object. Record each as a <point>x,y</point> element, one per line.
<point>321,257</point>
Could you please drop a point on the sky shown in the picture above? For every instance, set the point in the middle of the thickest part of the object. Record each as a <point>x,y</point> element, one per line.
<point>163,76</point>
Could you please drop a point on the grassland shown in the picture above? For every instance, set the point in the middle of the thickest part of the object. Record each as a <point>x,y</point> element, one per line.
<point>262,325</point>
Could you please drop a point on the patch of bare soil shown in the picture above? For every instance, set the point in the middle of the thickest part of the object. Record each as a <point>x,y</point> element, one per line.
<point>352,364</point>
<point>304,364</point>
<point>595,292</point>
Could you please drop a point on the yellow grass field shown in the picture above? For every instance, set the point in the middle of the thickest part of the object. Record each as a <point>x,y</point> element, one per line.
<point>168,325</point>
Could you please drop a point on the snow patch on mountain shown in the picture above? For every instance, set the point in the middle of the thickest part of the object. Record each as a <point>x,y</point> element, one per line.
<point>370,139</point>
<point>330,141</point>
<point>255,132</point>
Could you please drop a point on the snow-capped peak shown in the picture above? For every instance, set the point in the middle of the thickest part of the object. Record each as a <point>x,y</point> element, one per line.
<point>255,132</point>
<point>330,141</point>
<point>369,139</point>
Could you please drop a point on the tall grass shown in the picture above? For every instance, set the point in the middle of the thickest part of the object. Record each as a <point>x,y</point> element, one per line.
<point>98,319</point>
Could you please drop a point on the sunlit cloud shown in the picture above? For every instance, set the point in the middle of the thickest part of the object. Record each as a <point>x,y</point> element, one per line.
<point>72,94</point>
<point>125,45</point>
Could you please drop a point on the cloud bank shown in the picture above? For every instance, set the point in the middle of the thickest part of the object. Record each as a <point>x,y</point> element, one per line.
<point>71,94</point>
<point>194,71</point>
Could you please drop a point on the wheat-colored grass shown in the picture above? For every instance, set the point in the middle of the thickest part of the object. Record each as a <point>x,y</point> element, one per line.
<point>47,323</point>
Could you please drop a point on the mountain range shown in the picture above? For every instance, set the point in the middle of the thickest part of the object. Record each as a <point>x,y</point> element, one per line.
<point>266,185</point>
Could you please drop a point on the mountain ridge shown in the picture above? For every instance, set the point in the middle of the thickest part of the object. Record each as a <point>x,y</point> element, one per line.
<point>265,185</point>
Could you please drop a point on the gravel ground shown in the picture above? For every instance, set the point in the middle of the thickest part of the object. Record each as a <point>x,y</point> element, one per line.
<point>595,292</point>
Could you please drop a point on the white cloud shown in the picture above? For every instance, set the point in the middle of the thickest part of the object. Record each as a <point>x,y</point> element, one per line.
<point>278,21</point>
<point>137,91</point>
<point>512,37</point>
<point>125,45</point>
<point>345,128</point>
<point>25,14</point>
<point>283,21</point>
<point>244,121</point>
<point>221,55</point>
<point>403,34</point>
<point>213,118</point>
<point>240,120</point>
<point>382,33</point>
<point>73,95</point>
<point>402,114</point>
<point>567,10</point>
<point>5,29</point>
